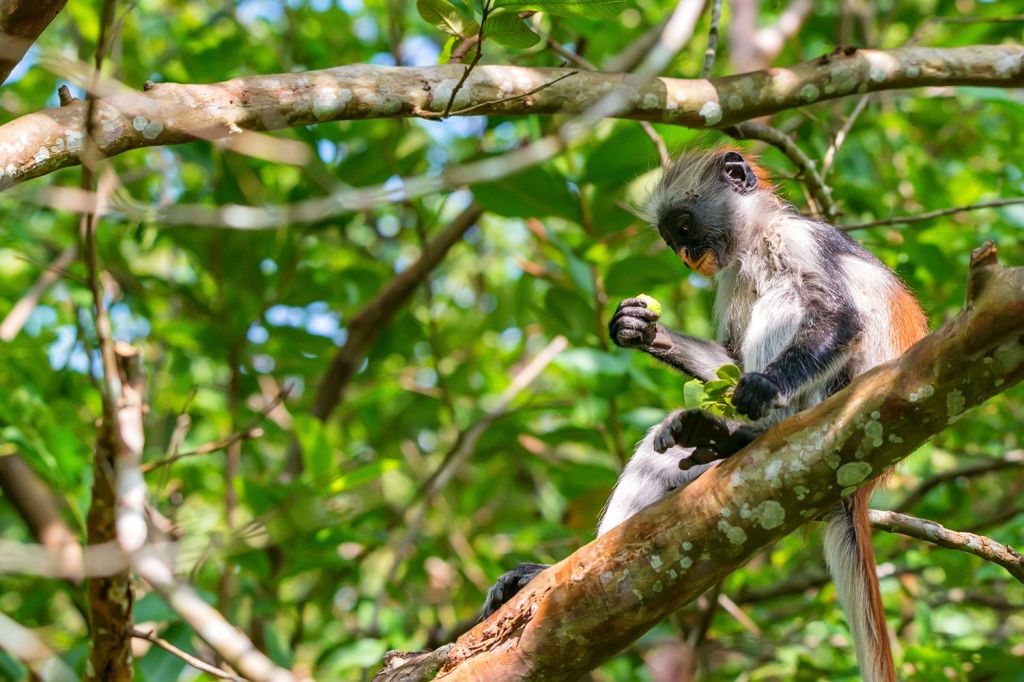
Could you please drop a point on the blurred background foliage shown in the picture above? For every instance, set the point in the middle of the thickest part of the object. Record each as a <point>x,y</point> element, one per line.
<point>323,573</point>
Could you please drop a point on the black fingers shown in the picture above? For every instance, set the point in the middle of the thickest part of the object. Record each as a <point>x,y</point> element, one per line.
<point>755,395</point>
<point>711,436</point>
<point>507,586</point>
<point>684,428</point>
<point>632,324</point>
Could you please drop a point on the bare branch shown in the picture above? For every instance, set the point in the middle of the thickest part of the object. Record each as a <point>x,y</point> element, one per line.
<point>195,662</point>
<point>229,642</point>
<point>829,159</point>
<point>932,215</point>
<point>247,432</point>
<point>172,114</point>
<point>930,531</point>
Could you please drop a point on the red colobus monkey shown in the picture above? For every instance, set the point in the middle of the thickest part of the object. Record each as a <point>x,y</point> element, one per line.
<point>801,308</point>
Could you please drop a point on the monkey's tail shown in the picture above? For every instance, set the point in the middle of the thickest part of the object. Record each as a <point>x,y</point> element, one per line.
<point>852,562</point>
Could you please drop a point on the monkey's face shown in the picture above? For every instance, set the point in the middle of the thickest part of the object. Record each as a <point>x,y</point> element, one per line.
<point>698,208</point>
<point>695,235</point>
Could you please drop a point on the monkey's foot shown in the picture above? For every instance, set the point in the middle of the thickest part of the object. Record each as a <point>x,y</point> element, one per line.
<point>507,586</point>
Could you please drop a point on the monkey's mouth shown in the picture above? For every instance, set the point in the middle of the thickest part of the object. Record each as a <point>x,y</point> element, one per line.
<point>705,264</point>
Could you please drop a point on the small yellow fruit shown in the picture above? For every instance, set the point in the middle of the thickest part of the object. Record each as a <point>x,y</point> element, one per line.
<point>651,303</point>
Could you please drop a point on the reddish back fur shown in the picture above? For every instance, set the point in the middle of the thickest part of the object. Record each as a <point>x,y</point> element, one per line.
<point>908,322</point>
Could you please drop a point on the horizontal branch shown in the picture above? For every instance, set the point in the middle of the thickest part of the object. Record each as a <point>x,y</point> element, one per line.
<point>937,534</point>
<point>169,113</point>
<point>605,595</point>
<point>932,215</point>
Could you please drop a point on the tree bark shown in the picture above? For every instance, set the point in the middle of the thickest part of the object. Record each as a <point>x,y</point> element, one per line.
<point>21,22</point>
<point>111,520</point>
<point>589,606</point>
<point>168,113</point>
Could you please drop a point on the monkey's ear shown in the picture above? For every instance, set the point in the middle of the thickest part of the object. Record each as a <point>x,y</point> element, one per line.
<point>738,174</point>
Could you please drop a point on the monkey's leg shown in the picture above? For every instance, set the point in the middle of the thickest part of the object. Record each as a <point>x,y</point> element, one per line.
<point>508,585</point>
<point>711,437</point>
<point>650,475</point>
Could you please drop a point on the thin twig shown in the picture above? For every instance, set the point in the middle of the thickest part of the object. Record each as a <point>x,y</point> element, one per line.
<point>195,662</point>
<point>21,310</point>
<point>930,531</point>
<point>481,105</point>
<point>709,53</point>
<point>248,432</point>
<point>837,142</point>
<point>931,215</point>
<point>815,184</point>
<point>569,55</point>
<point>476,58</point>
<point>659,143</point>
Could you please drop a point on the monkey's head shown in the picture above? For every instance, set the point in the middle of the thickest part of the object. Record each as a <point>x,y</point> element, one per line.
<point>702,203</point>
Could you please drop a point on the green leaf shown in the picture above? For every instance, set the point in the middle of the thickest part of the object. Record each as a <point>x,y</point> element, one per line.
<point>533,193</point>
<point>693,394</point>
<point>317,453</point>
<point>363,475</point>
<point>511,31</point>
<point>565,8</point>
<point>730,373</point>
<point>446,51</point>
<point>446,17</point>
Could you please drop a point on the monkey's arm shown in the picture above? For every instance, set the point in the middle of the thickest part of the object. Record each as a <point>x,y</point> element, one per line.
<point>816,352</point>
<point>635,326</point>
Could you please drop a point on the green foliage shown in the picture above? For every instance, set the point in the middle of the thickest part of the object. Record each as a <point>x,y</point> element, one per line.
<point>323,574</point>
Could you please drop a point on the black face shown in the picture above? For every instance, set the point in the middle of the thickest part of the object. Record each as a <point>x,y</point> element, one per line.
<point>697,230</point>
<point>698,226</point>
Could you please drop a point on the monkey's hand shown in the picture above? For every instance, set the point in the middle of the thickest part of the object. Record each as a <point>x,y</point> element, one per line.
<point>756,395</point>
<point>633,324</point>
<point>711,437</point>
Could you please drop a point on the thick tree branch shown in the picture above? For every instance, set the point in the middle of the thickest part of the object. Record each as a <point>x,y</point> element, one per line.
<point>559,626</point>
<point>169,113</point>
<point>937,534</point>
<point>21,22</point>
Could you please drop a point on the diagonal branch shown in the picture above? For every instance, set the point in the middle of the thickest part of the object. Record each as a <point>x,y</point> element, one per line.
<point>605,595</point>
<point>170,113</point>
